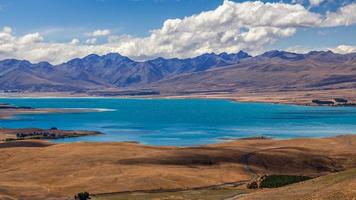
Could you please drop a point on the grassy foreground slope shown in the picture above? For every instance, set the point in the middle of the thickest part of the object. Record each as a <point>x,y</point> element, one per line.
<point>336,186</point>
<point>341,185</point>
<point>41,170</point>
<point>200,194</point>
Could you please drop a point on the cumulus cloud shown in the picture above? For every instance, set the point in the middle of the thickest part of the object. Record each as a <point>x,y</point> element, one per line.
<point>315,2</point>
<point>7,29</point>
<point>91,41</point>
<point>75,41</point>
<point>346,15</point>
<point>299,49</point>
<point>99,33</point>
<point>344,49</point>
<point>30,39</point>
<point>248,26</point>
<point>297,1</point>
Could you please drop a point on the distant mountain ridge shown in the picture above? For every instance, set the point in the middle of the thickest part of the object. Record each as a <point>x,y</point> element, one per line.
<point>96,72</point>
<point>272,70</point>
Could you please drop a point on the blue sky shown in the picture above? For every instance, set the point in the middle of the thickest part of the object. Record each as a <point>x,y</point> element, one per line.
<point>135,17</point>
<point>122,16</point>
<point>61,21</point>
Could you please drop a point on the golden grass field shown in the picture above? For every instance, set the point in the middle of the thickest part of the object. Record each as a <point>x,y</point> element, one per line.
<point>339,185</point>
<point>33,169</point>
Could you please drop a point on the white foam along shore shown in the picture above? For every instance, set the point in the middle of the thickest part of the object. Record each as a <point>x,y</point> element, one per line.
<point>102,109</point>
<point>87,109</point>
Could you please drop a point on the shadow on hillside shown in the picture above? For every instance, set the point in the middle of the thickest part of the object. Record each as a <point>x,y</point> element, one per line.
<point>285,159</point>
<point>23,144</point>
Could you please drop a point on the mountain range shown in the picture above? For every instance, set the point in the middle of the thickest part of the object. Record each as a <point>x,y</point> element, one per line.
<point>270,71</point>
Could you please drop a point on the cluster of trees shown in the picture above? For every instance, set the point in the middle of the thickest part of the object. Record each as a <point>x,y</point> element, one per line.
<point>336,100</point>
<point>320,102</point>
<point>340,100</point>
<point>274,181</point>
<point>38,134</point>
<point>34,134</point>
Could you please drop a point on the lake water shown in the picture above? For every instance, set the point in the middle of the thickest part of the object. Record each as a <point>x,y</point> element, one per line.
<point>184,122</point>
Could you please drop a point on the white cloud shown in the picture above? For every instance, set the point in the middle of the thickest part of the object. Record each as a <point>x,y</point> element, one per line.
<point>91,41</point>
<point>297,1</point>
<point>7,29</point>
<point>30,39</point>
<point>346,15</point>
<point>249,26</point>
<point>299,49</point>
<point>231,27</point>
<point>99,33</point>
<point>75,41</point>
<point>315,2</point>
<point>344,49</point>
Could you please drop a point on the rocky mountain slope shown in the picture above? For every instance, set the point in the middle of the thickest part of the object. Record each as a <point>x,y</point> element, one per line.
<point>271,71</point>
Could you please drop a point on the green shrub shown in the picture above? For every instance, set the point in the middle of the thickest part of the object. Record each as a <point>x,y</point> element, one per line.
<point>274,181</point>
<point>82,196</point>
<point>320,102</point>
<point>10,139</point>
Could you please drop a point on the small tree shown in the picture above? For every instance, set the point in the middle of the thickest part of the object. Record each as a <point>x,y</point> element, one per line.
<point>82,196</point>
<point>340,100</point>
<point>252,185</point>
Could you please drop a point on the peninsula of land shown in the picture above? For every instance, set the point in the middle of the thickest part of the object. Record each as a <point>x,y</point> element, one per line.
<point>7,134</point>
<point>8,110</point>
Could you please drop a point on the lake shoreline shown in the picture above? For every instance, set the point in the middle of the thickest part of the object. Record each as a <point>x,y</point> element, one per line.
<point>10,113</point>
<point>300,97</point>
<point>178,122</point>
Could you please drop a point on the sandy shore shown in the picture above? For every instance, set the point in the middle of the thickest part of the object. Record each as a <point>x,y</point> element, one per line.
<point>38,169</point>
<point>277,97</point>
<point>300,97</point>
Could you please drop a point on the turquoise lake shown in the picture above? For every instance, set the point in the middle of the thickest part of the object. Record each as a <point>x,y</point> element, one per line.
<point>184,122</point>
